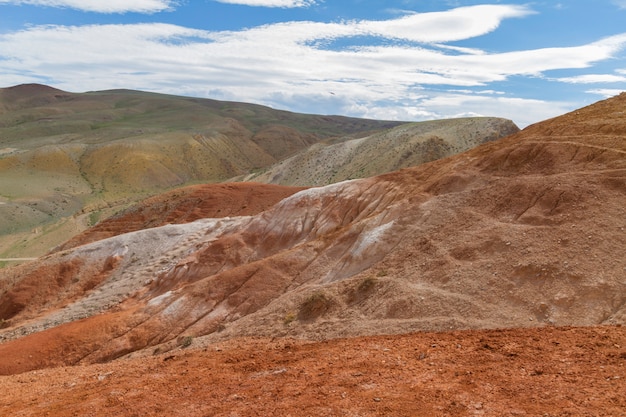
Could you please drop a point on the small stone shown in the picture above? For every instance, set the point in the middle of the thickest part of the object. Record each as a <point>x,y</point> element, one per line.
<point>104,376</point>
<point>376,399</point>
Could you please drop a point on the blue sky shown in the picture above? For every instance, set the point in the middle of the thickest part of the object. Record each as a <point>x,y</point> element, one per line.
<point>400,60</point>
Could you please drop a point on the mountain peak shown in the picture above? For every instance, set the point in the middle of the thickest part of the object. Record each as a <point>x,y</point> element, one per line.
<point>31,89</point>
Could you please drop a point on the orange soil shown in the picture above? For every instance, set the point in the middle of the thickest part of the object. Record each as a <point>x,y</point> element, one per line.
<point>514,372</point>
<point>187,204</point>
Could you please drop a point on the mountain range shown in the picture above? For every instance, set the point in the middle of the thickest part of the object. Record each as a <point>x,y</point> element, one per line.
<point>68,160</point>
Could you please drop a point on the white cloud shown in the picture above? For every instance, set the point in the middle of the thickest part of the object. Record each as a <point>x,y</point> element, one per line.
<point>102,6</point>
<point>451,25</point>
<point>291,65</point>
<point>593,79</point>
<point>620,3</point>
<point>271,3</point>
<point>522,111</point>
<point>439,105</point>
<point>606,92</point>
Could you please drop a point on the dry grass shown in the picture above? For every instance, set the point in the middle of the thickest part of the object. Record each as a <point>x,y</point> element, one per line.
<point>401,147</point>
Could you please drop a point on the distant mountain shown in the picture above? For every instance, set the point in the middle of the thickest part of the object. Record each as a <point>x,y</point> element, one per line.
<point>524,231</point>
<point>70,160</point>
<point>124,142</point>
<point>404,146</point>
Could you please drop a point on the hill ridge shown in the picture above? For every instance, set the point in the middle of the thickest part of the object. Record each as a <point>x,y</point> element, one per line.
<point>518,232</point>
<point>68,160</point>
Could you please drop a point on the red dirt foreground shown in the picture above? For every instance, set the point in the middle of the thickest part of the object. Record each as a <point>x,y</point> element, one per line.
<point>517,372</point>
<point>288,303</point>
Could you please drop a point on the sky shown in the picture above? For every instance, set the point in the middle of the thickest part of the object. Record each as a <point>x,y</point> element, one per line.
<point>408,60</point>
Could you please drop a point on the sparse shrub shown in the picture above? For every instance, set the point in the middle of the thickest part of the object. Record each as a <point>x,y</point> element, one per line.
<point>185,341</point>
<point>289,317</point>
<point>314,306</point>
<point>382,273</point>
<point>94,217</point>
<point>361,291</point>
<point>3,323</point>
<point>367,284</point>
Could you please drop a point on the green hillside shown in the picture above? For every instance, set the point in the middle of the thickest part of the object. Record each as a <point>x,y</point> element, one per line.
<point>68,159</point>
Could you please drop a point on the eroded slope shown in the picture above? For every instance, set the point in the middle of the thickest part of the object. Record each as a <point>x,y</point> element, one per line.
<point>525,231</point>
<point>184,205</point>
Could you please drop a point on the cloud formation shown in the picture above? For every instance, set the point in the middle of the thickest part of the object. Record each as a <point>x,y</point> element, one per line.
<point>271,3</point>
<point>409,75</point>
<point>101,6</point>
<point>605,92</point>
<point>594,79</point>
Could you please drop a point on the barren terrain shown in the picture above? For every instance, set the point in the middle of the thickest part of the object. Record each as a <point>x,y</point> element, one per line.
<point>519,372</point>
<point>492,282</point>
<point>185,205</point>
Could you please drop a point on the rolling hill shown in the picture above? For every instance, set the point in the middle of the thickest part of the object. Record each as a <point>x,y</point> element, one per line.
<point>404,146</point>
<point>521,232</point>
<point>68,160</point>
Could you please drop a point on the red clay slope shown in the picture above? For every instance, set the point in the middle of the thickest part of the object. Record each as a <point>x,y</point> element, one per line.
<point>525,231</point>
<point>185,205</point>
